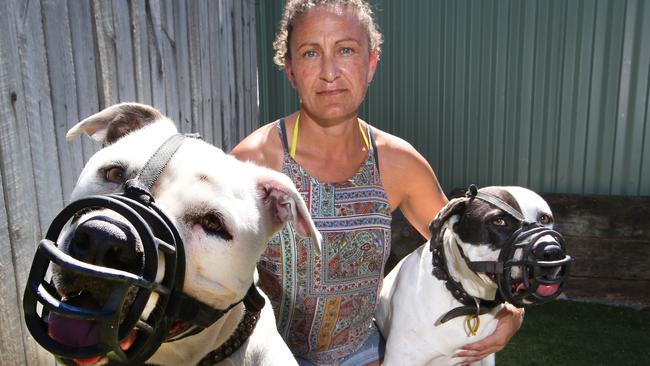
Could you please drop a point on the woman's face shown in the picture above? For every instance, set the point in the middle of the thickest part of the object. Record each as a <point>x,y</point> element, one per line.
<point>330,63</point>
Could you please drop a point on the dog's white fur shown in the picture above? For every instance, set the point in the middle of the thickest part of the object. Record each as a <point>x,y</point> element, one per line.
<point>218,271</point>
<point>412,300</point>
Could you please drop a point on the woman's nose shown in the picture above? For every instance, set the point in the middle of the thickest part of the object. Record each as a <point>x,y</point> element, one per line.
<point>329,69</point>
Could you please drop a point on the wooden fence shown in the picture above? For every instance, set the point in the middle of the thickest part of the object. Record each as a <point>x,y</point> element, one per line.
<point>61,61</point>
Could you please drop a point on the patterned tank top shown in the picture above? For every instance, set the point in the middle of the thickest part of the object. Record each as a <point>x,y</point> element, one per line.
<point>324,304</point>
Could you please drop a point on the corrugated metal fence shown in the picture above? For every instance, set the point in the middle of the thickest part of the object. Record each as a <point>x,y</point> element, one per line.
<point>549,94</point>
<point>61,61</point>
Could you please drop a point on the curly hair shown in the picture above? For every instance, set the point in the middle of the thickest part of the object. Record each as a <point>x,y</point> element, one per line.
<point>295,8</point>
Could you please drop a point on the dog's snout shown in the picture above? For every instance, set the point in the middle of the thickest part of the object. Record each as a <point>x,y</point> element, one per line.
<point>548,251</point>
<point>106,242</point>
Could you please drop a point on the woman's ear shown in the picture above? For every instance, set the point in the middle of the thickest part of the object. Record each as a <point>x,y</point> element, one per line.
<point>289,70</point>
<point>374,60</point>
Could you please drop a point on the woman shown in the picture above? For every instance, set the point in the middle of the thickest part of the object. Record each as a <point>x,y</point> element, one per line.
<point>352,177</point>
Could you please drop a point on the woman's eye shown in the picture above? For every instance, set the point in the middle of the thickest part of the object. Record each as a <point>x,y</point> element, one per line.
<point>499,221</point>
<point>346,51</point>
<point>545,219</point>
<point>114,174</point>
<point>213,225</point>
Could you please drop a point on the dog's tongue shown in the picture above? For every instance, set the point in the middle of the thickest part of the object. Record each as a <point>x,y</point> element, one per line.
<point>542,289</point>
<point>547,290</point>
<point>75,332</point>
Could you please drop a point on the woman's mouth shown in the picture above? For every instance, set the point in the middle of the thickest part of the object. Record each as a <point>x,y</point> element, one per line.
<point>329,93</point>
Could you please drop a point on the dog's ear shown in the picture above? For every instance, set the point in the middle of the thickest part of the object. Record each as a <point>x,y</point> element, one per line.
<point>282,202</point>
<point>453,207</point>
<point>114,122</point>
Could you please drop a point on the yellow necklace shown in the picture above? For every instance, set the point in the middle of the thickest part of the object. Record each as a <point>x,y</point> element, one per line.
<point>294,138</point>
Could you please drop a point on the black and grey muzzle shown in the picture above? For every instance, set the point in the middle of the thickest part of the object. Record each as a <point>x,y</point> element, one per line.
<point>532,266</point>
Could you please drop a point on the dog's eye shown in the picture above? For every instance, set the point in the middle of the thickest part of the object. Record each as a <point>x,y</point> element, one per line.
<point>499,221</point>
<point>545,219</point>
<point>114,174</point>
<point>213,225</point>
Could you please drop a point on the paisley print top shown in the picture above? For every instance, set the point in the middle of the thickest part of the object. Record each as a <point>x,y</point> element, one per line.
<point>324,304</point>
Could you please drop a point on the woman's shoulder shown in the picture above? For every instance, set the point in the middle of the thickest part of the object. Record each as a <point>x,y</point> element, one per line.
<point>263,147</point>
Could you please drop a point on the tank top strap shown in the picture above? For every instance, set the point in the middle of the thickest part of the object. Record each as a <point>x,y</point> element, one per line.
<point>283,135</point>
<point>375,153</point>
<point>371,136</point>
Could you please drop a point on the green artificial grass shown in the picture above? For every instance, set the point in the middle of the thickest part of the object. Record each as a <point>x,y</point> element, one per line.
<point>576,334</point>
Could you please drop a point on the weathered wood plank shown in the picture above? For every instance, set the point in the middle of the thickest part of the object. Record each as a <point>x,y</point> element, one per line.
<point>122,48</point>
<point>250,72</point>
<point>11,347</point>
<point>38,109</point>
<point>238,55</point>
<point>83,53</point>
<point>228,68</point>
<point>141,51</point>
<point>214,58</point>
<point>19,226</point>
<point>169,62</point>
<point>608,290</point>
<point>602,216</point>
<point>609,258</point>
<point>155,56</point>
<point>204,20</point>
<point>63,90</point>
<point>181,29</point>
<point>105,36</point>
<point>195,67</point>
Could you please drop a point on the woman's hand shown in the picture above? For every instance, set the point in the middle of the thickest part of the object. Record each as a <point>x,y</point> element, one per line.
<point>510,320</point>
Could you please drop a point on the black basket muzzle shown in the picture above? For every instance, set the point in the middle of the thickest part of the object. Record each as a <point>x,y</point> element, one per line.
<point>524,271</point>
<point>537,256</point>
<point>116,317</point>
<point>532,266</point>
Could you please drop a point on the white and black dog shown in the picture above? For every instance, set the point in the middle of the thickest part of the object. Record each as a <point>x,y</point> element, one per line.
<point>154,259</point>
<point>495,245</point>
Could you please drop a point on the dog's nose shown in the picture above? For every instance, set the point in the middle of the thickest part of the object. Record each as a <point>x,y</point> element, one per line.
<point>548,251</point>
<point>105,242</point>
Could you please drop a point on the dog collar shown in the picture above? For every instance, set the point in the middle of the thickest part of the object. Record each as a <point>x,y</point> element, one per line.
<point>253,303</point>
<point>191,322</point>
<point>471,305</point>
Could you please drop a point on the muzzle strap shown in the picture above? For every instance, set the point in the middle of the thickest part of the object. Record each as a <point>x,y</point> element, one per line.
<point>150,172</point>
<point>140,186</point>
<point>485,266</point>
<point>198,313</point>
<point>473,192</point>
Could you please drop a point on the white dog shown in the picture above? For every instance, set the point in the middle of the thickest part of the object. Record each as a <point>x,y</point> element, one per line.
<point>225,211</point>
<point>446,293</point>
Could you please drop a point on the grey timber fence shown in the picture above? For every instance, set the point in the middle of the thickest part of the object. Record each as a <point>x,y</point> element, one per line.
<point>61,61</point>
